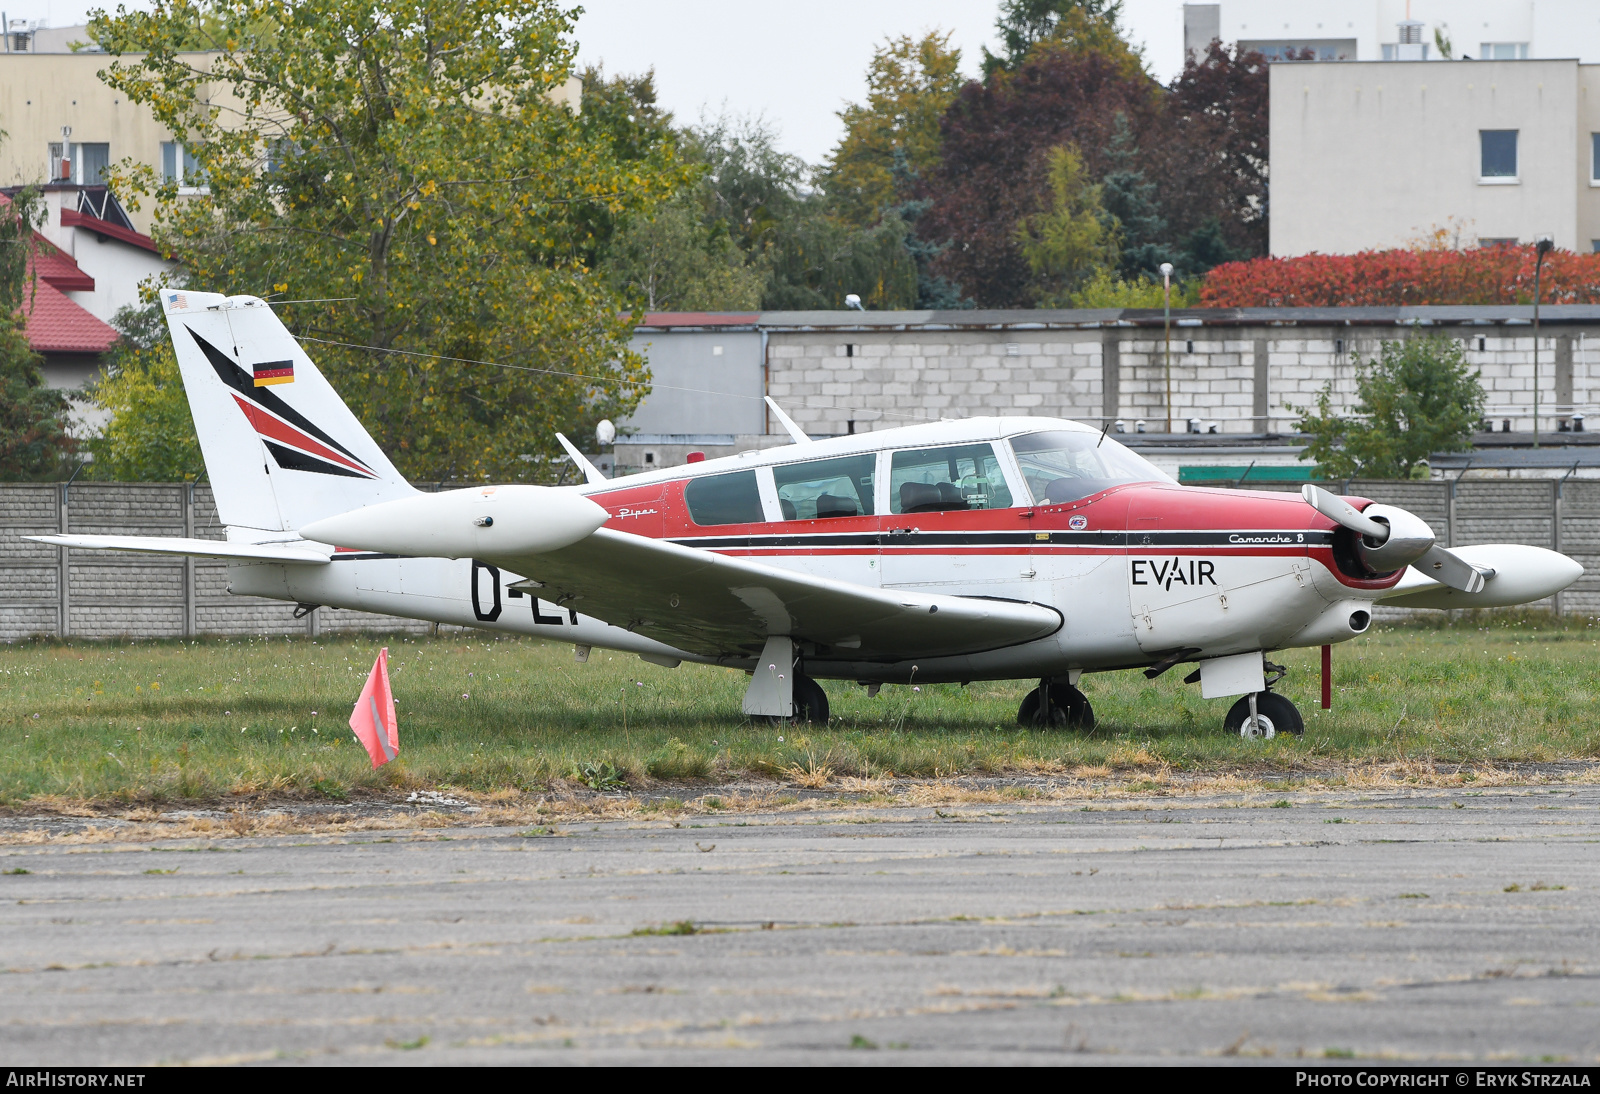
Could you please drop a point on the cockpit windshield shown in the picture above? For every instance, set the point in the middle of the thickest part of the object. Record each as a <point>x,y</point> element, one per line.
<point>1062,466</point>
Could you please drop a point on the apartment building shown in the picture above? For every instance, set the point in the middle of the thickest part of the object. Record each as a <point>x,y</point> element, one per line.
<point>1371,155</point>
<point>1398,30</point>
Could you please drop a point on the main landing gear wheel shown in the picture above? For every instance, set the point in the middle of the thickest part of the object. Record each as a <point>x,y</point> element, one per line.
<point>1068,708</point>
<point>1274,715</point>
<point>810,701</point>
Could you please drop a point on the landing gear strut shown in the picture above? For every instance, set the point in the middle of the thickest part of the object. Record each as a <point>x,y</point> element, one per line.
<point>1056,706</point>
<point>1265,713</point>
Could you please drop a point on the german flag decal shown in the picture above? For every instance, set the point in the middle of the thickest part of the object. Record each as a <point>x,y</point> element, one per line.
<point>268,373</point>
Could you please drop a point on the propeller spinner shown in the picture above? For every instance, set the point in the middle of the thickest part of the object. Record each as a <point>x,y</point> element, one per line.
<point>1391,538</point>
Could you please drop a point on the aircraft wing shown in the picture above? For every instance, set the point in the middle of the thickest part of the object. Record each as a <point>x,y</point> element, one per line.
<point>200,548</point>
<point>714,604</point>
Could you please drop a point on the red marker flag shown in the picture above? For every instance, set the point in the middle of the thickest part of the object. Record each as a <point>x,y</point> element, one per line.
<point>373,719</point>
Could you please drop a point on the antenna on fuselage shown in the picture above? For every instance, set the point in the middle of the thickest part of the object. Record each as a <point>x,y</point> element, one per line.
<point>590,471</point>
<point>1103,433</point>
<point>787,422</point>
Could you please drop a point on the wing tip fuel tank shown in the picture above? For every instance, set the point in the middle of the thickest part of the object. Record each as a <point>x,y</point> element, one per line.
<point>480,521</point>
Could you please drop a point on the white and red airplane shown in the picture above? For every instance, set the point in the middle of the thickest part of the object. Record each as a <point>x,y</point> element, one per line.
<point>977,549</point>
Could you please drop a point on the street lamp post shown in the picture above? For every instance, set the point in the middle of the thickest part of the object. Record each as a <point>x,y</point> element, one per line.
<point>1166,307</point>
<point>1541,247</point>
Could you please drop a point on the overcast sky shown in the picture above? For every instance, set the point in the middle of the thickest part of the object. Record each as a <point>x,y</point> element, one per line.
<point>795,66</point>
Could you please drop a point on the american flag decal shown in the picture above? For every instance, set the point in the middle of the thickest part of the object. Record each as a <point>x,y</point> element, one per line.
<point>268,373</point>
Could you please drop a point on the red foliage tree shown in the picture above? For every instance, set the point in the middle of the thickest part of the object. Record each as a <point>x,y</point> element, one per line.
<point>1484,275</point>
<point>991,172</point>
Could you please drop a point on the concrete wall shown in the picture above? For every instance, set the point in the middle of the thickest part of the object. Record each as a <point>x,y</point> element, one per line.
<point>107,594</point>
<point>704,382</point>
<point>1246,378</point>
<point>1375,155</point>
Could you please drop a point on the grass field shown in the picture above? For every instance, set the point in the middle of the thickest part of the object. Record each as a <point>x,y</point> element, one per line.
<point>155,722</point>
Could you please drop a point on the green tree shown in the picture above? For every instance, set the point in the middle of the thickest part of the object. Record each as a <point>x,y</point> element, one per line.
<point>766,203</point>
<point>1418,397</point>
<point>1073,238</point>
<point>403,174</point>
<point>1104,289</point>
<point>150,436</point>
<point>34,442</point>
<point>1076,25</point>
<point>670,261</point>
<point>911,82</point>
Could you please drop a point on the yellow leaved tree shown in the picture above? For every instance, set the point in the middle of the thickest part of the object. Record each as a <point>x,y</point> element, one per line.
<point>405,181</point>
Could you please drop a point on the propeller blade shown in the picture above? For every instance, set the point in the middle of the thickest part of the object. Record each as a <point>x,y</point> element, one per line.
<point>1343,513</point>
<point>1451,569</point>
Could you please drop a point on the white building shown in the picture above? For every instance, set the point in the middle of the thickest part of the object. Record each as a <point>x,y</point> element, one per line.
<point>1389,30</point>
<point>1374,155</point>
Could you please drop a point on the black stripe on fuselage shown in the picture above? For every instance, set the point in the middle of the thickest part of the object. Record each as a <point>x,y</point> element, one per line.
<point>1103,540</point>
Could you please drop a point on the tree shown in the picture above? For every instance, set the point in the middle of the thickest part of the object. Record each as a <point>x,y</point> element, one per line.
<point>34,442</point>
<point>1209,158</point>
<point>910,84</point>
<point>1417,398</point>
<point>670,261</point>
<point>401,173</point>
<point>994,162</point>
<point>766,203</point>
<point>1088,26</point>
<point>1073,238</point>
<point>150,436</point>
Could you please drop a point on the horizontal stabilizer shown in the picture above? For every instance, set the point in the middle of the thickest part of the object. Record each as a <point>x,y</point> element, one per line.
<point>198,548</point>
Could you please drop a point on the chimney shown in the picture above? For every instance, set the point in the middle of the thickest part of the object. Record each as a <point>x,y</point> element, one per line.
<point>1411,47</point>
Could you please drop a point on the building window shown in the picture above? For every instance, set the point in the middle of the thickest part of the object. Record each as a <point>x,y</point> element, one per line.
<point>85,163</point>
<point>1503,51</point>
<point>1497,154</point>
<point>1594,158</point>
<point>179,165</point>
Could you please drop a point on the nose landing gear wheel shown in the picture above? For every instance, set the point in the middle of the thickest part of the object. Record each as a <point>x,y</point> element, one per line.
<point>1274,715</point>
<point>1068,708</point>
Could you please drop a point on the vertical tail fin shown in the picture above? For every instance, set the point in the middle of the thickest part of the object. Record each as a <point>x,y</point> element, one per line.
<point>281,448</point>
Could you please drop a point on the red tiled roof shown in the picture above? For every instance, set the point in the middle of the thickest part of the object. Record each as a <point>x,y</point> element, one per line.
<point>57,325</point>
<point>55,267</point>
<point>71,218</point>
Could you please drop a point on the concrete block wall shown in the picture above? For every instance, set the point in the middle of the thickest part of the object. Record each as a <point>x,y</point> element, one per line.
<point>1245,379</point>
<point>110,594</point>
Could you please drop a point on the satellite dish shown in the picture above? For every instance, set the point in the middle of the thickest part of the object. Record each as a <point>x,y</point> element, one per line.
<point>605,432</point>
<point>853,302</point>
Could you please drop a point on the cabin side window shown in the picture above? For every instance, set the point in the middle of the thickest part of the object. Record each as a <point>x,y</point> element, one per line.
<point>933,480</point>
<point>820,489</point>
<point>724,499</point>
